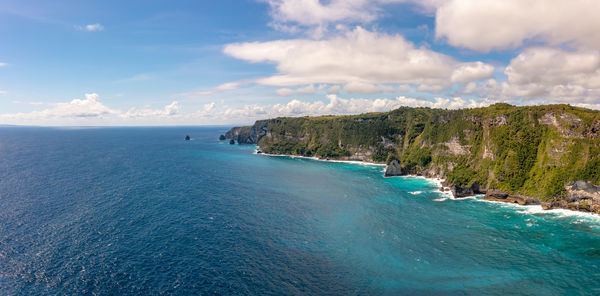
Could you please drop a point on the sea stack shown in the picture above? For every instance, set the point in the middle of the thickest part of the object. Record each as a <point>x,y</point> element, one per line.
<point>222,137</point>
<point>187,137</point>
<point>393,168</point>
<point>232,141</point>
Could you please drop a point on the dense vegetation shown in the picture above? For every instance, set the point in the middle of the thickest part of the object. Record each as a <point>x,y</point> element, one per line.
<point>531,150</point>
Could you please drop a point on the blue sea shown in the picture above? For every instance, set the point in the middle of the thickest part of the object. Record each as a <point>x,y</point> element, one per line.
<point>140,211</point>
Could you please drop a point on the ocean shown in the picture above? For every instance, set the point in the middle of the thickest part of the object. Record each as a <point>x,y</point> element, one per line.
<point>140,211</point>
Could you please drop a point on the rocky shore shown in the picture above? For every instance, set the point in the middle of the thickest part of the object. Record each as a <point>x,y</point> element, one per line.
<point>547,155</point>
<point>582,195</point>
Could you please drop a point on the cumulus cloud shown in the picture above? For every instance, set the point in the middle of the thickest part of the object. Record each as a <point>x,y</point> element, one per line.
<point>357,57</point>
<point>78,108</point>
<point>87,111</point>
<point>553,74</point>
<point>340,106</point>
<point>315,12</point>
<point>484,25</point>
<point>90,111</point>
<point>468,72</point>
<point>481,25</point>
<point>91,27</point>
<point>168,111</point>
<point>293,16</point>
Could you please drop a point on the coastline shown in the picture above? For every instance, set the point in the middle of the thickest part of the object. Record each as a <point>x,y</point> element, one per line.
<point>358,162</point>
<point>448,195</point>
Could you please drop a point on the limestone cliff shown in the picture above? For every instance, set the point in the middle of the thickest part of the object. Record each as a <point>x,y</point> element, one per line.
<point>517,154</point>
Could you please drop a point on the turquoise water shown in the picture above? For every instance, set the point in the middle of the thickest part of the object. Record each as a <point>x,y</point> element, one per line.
<point>139,211</point>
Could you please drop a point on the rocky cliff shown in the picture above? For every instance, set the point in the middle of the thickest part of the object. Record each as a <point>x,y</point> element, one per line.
<point>527,155</point>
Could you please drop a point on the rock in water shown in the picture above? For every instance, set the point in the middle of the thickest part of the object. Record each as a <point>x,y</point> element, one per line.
<point>393,168</point>
<point>459,192</point>
<point>187,137</point>
<point>222,137</point>
<point>232,141</point>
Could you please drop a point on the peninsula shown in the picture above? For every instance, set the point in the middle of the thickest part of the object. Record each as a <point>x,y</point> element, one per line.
<point>548,155</point>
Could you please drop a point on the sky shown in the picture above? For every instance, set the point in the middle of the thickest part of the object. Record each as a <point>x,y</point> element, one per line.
<point>225,62</point>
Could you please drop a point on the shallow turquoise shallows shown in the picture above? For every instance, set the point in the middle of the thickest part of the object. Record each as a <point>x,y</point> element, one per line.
<point>140,211</point>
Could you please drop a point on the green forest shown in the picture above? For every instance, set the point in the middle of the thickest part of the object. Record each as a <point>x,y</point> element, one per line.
<point>529,150</point>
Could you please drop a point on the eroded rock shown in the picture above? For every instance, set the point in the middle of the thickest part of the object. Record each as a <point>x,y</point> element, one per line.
<point>393,168</point>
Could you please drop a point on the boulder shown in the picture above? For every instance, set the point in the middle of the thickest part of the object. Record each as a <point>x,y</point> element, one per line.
<point>187,137</point>
<point>232,141</point>
<point>459,192</point>
<point>501,196</point>
<point>393,168</point>
<point>578,190</point>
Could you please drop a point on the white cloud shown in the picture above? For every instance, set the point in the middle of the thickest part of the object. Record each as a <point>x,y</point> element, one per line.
<point>481,25</point>
<point>199,93</point>
<point>292,16</point>
<point>228,86</point>
<point>554,74</point>
<point>484,25</point>
<point>220,88</point>
<point>366,88</point>
<point>90,111</point>
<point>89,107</point>
<point>357,57</point>
<point>472,71</point>
<point>284,92</point>
<point>3,64</point>
<point>313,12</point>
<point>555,66</point>
<point>3,92</point>
<point>168,111</point>
<point>91,27</point>
<point>333,89</point>
<point>340,106</point>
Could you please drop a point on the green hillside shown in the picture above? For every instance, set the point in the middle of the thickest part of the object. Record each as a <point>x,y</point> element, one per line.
<point>530,150</point>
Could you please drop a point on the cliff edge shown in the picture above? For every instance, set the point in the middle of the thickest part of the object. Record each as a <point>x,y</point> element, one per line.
<point>547,155</point>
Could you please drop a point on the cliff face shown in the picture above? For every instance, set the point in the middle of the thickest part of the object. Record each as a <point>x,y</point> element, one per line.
<point>531,151</point>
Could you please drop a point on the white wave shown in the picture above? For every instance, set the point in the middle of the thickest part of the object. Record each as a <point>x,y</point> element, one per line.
<point>538,210</point>
<point>358,162</point>
<point>448,195</point>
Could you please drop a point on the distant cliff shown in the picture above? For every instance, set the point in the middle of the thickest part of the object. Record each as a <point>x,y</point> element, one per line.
<point>526,154</point>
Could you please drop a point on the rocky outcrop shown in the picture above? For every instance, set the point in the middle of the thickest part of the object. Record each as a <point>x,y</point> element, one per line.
<point>567,124</point>
<point>579,190</point>
<point>581,196</point>
<point>187,137</point>
<point>393,168</point>
<point>248,134</point>
<point>455,148</point>
<point>499,120</point>
<point>459,191</point>
<point>222,137</point>
<point>501,196</point>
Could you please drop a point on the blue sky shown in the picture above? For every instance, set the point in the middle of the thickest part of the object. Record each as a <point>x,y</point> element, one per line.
<point>229,62</point>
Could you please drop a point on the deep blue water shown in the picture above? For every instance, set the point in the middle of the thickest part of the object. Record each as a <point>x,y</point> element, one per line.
<point>139,211</point>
